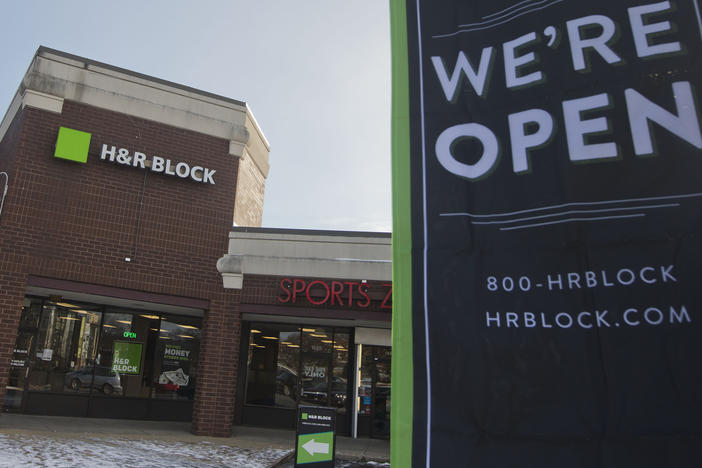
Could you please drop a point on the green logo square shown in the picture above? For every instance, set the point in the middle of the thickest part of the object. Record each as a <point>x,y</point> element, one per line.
<point>312,448</point>
<point>304,415</point>
<point>72,145</point>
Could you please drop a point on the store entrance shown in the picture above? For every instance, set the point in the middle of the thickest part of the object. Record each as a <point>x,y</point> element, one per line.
<point>374,391</point>
<point>290,365</point>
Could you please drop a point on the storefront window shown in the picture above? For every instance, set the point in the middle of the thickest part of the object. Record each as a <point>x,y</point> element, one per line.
<point>64,355</point>
<point>177,357</point>
<point>290,365</point>
<point>286,379</point>
<point>86,349</point>
<point>19,365</point>
<point>31,312</point>
<point>263,359</point>
<point>316,360</point>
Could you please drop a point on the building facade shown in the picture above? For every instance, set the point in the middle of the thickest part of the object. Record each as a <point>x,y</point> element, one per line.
<point>120,192</point>
<point>316,309</point>
<point>124,290</point>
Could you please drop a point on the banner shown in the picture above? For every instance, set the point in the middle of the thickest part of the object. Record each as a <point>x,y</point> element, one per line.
<point>547,233</point>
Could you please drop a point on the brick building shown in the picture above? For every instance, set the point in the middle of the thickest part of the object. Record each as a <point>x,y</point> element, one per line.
<point>315,309</point>
<point>119,192</point>
<point>100,259</point>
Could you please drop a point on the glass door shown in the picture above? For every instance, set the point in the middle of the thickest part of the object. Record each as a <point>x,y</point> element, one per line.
<point>315,363</point>
<point>374,389</point>
<point>64,352</point>
<point>289,365</point>
<point>381,400</point>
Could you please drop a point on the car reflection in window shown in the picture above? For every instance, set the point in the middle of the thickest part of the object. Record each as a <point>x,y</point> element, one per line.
<point>318,392</point>
<point>106,380</point>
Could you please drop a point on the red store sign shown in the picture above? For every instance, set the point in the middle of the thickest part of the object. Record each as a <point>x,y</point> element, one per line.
<point>341,293</point>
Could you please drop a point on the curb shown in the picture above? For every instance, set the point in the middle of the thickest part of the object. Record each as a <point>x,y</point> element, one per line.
<point>282,460</point>
<point>288,458</point>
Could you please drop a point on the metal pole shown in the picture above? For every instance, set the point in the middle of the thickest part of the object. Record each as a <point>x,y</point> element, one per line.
<point>356,383</point>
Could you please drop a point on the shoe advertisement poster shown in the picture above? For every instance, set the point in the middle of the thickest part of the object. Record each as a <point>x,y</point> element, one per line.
<point>175,367</point>
<point>547,237</point>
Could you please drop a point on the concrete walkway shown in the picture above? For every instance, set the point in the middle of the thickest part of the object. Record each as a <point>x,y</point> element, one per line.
<point>242,437</point>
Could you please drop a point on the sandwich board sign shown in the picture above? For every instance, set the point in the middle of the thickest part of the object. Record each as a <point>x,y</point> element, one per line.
<point>316,437</point>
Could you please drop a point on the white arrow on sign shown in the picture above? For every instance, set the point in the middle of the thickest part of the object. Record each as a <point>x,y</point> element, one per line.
<point>313,447</point>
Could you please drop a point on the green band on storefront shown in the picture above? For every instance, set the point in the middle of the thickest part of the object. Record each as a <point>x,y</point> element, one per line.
<point>402,365</point>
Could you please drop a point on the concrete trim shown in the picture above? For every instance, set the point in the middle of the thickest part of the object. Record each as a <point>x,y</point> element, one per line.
<point>316,237</point>
<point>233,280</point>
<point>78,61</point>
<point>236,148</point>
<point>15,106</point>
<point>122,93</point>
<point>62,76</point>
<point>257,128</point>
<point>312,254</point>
<point>261,163</point>
<point>258,147</point>
<point>372,270</point>
<point>322,248</point>
<point>43,101</point>
<point>310,232</point>
<point>373,336</point>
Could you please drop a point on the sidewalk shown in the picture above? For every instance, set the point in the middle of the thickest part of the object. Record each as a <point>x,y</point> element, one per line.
<point>243,437</point>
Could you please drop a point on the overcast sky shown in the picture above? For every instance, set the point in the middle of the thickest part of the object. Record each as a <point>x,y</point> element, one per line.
<point>315,73</point>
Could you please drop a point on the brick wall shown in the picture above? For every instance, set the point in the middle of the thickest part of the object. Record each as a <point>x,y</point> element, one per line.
<point>12,284</point>
<point>9,143</point>
<point>218,371</point>
<point>12,279</point>
<point>78,222</point>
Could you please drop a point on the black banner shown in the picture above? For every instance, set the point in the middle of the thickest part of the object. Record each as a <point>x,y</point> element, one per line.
<point>556,171</point>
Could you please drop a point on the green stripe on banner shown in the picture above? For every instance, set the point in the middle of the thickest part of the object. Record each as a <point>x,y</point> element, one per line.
<point>402,366</point>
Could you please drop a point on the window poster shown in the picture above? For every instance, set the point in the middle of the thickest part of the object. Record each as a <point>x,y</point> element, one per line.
<point>175,368</point>
<point>126,357</point>
<point>547,238</point>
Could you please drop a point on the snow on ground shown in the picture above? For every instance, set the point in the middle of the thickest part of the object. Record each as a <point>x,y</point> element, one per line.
<point>349,464</point>
<point>43,451</point>
<point>365,464</point>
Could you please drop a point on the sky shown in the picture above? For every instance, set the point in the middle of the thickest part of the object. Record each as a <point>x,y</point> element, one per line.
<point>315,74</point>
